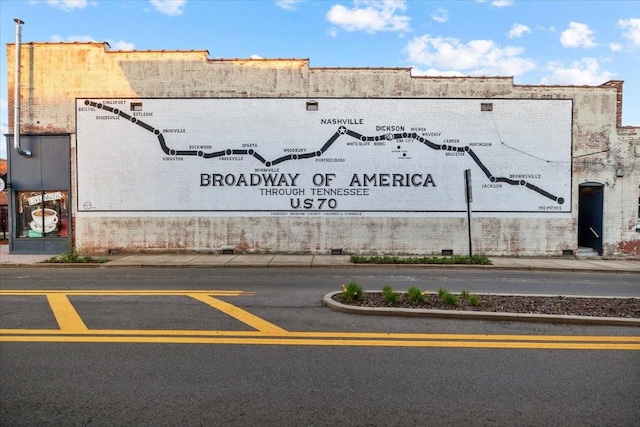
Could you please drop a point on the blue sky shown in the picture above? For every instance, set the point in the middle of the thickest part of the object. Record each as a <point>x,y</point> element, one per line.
<point>536,42</point>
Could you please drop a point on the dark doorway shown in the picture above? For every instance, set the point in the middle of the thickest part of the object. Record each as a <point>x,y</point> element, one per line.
<point>590,213</point>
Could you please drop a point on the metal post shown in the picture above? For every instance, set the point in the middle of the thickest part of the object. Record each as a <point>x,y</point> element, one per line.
<point>469,199</point>
<point>16,98</point>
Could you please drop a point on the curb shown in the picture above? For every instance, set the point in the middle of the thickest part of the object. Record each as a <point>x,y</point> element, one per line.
<point>497,268</point>
<point>475,315</point>
<point>312,265</point>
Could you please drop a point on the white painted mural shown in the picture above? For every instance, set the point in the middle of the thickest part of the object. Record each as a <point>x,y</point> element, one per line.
<point>324,157</point>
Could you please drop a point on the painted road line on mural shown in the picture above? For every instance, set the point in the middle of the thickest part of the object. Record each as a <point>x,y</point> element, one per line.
<point>353,157</point>
<point>73,329</point>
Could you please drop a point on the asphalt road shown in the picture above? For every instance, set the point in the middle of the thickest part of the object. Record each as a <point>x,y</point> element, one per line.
<point>306,365</point>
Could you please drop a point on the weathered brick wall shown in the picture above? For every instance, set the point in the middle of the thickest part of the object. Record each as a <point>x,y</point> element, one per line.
<point>55,74</point>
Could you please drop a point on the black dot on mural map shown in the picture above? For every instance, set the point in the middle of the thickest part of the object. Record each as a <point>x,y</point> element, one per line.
<point>561,200</point>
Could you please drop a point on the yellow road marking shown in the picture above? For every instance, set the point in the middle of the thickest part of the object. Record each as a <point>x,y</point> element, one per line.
<point>238,313</point>
<point>73,329</point>
<point>116,292</point>
<point>326,335</point>
<point>66,316</point>
<point>320,342</point>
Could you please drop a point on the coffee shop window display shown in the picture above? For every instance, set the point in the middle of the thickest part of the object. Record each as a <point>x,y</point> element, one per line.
<point>42,214</point>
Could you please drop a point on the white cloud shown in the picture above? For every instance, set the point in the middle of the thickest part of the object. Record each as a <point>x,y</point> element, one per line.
<point>169,7</point>
<point>68,5</point>
<point>501,3</point>
<point>80,39</point>
<point>115,45</point>
<point>584,72</point>
<point>288,4</point>
<point>615,47</point>
<point>121,45</point>
<point>577,35</point>
<point>254,56</point>
<point>497,3</point>
<point>632,26</point>
<point>370,16</point>
<point>332,32</point>
<point>517,30</point>
<point>445,56</point>
<point>441,15</point>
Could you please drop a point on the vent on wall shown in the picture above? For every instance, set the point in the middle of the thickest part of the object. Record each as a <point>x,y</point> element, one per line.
<point>312,105</point>
<point>486,106</point>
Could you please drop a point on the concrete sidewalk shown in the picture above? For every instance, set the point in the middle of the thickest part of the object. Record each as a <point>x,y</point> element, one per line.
<point>317,261</point>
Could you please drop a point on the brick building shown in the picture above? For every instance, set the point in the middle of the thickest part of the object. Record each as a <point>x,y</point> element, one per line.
<point>150,151</point>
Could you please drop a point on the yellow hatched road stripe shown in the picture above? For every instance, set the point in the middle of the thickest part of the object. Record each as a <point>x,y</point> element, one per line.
<point>66,315</point>
<point>238,313</point>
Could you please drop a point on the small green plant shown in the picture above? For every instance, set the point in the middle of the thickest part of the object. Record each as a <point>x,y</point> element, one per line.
<point>450,299</point>
<point>465,295</point>
<point>474,300</point>
<point>415,294</point>
<point>390,296</point>
<point>351,291</point>
<point>71,256</point>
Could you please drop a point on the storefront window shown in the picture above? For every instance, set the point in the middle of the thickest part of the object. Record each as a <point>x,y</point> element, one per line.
<point>42,214</point>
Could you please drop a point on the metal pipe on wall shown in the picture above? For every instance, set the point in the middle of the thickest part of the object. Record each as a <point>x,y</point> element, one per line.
<point>16,99</point>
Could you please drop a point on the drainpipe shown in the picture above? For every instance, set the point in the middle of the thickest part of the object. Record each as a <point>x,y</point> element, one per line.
<point>16,98</point>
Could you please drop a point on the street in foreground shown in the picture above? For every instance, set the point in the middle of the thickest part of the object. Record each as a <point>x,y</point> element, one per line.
<point>256,347</point>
